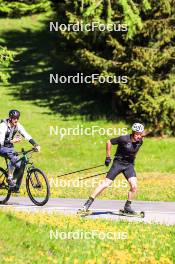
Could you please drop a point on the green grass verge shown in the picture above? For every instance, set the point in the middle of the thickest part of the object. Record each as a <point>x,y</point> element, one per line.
<point>27,237</point>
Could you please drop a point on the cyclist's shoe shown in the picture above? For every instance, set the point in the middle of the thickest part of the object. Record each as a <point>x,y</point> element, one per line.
<point>11,182</point>
<point>128,209</point>
<point>15,189</point>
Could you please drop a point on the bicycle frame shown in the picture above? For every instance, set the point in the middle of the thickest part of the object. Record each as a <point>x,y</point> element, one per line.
<point>19,172</point>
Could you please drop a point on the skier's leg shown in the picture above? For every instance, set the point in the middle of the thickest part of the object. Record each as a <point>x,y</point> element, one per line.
<point>115,169</point>
<point>106,183</point>
<point>133,188</point>
<point>132,180</point>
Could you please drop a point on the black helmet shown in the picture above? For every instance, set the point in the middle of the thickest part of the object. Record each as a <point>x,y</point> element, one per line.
<point>14,113</point>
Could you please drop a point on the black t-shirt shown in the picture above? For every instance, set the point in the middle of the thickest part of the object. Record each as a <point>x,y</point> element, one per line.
<point>126,150</point>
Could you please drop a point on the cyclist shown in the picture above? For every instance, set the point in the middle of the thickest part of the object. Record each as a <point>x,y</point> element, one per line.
<point>128,146</point>
<point>10,133</point>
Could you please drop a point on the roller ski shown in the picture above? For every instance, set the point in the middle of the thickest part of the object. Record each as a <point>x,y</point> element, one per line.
<point>135,214</point>
<point>128,211</point>
<point>84,211</point>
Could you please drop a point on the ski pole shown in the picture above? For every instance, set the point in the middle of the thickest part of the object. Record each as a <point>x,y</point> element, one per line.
<point>80,170</point>
<point>95,175</point>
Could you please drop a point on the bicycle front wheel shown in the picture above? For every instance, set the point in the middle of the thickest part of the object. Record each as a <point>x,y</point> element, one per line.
<point>37,186</point>
<point>4,188</point>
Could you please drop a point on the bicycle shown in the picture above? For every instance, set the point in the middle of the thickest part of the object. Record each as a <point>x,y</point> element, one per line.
<point>36,180</point>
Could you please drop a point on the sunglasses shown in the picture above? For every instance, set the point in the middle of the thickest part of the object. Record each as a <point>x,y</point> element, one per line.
<point>14,118</point>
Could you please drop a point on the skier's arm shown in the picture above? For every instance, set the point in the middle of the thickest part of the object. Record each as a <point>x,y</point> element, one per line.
<point>110,142</point>
<point>108,148</point>
<point>108,152</point>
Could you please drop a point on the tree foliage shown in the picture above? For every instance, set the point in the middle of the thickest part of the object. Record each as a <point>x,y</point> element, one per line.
<point>6,57</point>
<point>19,8</point>
<point>145,53</point>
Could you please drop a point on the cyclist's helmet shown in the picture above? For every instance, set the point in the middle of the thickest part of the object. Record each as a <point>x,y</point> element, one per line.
<point>14,114</point>
<point>137,127</point>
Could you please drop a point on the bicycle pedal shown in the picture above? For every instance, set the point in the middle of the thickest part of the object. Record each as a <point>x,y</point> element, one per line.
<point>14,190</point>
<point>17,191</point>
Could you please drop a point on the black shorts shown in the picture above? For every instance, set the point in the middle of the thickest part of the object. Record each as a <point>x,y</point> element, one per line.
<point>118,167</point>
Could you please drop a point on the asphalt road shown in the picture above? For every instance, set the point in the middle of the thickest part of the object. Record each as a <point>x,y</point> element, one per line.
<point>155,212</point>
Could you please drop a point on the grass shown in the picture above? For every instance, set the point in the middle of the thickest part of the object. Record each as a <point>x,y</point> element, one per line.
<point>44,106</point>
<point>134,243</point>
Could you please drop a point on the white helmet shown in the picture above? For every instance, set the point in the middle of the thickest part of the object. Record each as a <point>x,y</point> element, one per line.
<point>137,127</point>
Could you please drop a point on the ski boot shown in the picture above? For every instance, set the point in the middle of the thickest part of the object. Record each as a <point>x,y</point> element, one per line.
<point>85,209</point>
<point>128,209</point>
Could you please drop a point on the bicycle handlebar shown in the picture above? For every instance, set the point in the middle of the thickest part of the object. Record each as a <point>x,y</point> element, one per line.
<point>26,152</point>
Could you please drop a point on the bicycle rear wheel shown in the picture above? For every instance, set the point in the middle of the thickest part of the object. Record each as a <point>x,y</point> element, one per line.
<point>5,192</point>
<point>37,186</point>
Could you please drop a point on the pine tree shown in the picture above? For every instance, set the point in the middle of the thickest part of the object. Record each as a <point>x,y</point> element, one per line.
<point>19,8</point>
<point>145,53</point>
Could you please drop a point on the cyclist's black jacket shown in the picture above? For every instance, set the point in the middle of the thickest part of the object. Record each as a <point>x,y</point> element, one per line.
<point>126,150</point>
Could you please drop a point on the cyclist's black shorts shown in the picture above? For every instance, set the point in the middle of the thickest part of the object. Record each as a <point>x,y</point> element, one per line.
<point>119,167</point>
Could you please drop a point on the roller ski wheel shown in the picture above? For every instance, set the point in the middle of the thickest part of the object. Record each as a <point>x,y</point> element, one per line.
<point>136,214</point>
<point>83,212</point>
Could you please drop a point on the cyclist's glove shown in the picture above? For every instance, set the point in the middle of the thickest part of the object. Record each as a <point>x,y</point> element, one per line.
<point>34,144</point>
